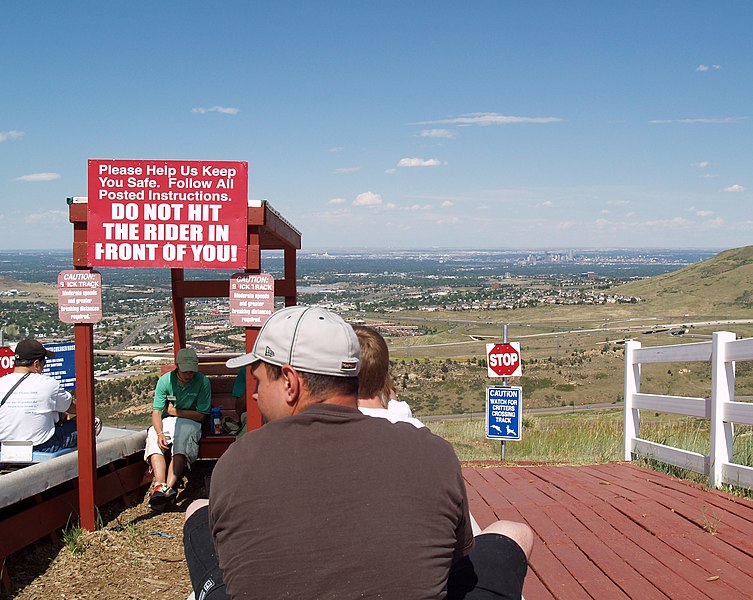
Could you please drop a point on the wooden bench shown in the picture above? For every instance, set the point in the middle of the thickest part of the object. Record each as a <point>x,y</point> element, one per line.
<point>221,378</point>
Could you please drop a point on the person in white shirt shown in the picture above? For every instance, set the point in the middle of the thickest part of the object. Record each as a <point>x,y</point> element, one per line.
<point>34,406</point>
<point>376,394</point>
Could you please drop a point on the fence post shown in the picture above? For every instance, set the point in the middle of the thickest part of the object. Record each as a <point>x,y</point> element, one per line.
<point>632,422</point>
<point>722,392</point>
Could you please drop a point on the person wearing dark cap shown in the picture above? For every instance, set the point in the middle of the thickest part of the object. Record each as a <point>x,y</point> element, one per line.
<point>182,400</point>
<point>324,501</point>
<point>33,403</point>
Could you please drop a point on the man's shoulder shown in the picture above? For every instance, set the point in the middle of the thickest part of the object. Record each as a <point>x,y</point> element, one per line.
<point>41,379</point>
<point>165,377</point>
<point>33,380</point>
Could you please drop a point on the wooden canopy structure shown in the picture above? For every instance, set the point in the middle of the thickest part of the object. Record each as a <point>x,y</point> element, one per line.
<point>266,230</point>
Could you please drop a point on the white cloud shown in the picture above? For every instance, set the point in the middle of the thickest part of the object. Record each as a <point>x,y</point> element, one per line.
<point>489,119</point>
<point>701,165</point>
<point>418,162</point>
<point>335,149</point>
<point>225,110</point>
<point>705,120</point>
<point>703,213</point>
<point>49,216</point>
<point>709,175</point>
<point>337,201</point>
<point>39,177</point>
<point>391,170</point>
<point>733,189</point>
<point>448,203</point>
<point>704,68</point>
<point>11,135</point>
<point>436,133</point>
<point>367,199</point>
<point>545,204</point>
<point>345,170</point>
<point>674,222</point>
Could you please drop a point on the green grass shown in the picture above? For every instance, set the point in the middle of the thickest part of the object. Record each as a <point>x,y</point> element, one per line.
<point>592,437</point>
<point>73,539</point>
<point>559,439</point>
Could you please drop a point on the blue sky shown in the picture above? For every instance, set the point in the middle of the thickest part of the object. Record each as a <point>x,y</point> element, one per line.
<point>407,124</point>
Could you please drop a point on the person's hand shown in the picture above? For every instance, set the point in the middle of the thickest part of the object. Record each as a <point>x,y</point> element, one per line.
<point>162,441</point>
<point>171,410</point>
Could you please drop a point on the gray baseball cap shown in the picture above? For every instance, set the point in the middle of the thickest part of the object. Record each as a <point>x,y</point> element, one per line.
<point>309,339</point>
<point>187,360</point>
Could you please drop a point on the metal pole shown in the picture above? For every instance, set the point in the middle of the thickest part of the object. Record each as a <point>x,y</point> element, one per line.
<point>504,383</point>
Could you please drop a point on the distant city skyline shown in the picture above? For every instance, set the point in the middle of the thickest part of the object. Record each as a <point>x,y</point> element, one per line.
<point>410,125</point>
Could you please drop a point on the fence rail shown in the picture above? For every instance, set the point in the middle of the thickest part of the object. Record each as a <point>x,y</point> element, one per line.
<point>720,408</point>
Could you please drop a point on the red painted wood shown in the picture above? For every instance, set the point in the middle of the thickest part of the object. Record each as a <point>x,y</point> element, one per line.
<point>83,334</point>
<point>620,531</point>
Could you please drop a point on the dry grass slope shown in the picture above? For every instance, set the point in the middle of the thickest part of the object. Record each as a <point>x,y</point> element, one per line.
<point>720,286</point>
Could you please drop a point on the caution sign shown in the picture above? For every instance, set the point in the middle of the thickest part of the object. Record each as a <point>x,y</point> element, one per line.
<point>63,366</point>
<point>503,413</point>
<point>80,296</point>
<point>252,299</point>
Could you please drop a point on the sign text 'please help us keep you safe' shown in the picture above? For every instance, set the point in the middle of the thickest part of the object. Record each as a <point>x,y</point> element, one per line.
<point>167,213</point>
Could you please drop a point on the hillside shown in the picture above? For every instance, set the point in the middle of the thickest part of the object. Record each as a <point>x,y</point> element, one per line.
<point>720,286</point>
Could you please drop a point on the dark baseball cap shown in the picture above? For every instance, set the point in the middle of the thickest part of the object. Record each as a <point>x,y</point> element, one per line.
<point>30,349</point>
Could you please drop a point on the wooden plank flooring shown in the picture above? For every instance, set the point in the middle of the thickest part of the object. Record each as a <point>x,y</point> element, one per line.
<point>620,531</point>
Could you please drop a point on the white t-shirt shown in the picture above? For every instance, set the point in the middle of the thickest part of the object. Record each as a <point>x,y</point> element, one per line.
<point>30,411</point>
<point>396,411</point>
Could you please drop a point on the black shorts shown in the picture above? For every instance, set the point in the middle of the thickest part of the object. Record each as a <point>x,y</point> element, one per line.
<point>494,569</point>
<point>201,558</point>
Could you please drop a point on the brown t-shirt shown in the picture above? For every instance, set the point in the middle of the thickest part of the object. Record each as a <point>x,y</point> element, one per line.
<point>331,503</point>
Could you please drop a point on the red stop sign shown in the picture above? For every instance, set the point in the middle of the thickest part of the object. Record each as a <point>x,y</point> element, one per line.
<point>503,360</point>
<point>7,360</point>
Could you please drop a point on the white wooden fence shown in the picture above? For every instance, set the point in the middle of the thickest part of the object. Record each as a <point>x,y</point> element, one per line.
<point>721,409</point>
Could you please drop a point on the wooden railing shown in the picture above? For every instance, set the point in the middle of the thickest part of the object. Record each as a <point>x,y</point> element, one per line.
<point>720,408</point>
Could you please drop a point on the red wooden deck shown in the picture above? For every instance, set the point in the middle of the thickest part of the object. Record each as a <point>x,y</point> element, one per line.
<point>620,531</point>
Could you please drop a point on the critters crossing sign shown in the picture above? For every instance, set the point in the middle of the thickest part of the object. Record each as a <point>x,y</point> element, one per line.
<point>503,413</point>
<point>503,360</point>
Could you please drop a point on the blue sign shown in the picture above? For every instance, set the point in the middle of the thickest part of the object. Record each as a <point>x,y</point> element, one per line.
<point>503,413</point>
<point>63,366</point>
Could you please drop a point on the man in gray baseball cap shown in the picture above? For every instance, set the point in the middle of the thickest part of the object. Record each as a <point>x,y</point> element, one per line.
<point>324,501</point>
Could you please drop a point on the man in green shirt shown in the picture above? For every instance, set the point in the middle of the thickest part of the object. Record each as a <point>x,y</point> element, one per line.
<point>182,400</point>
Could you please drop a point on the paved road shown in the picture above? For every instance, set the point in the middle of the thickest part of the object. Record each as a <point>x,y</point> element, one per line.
<point>552,410</point>
<point>605,327</point>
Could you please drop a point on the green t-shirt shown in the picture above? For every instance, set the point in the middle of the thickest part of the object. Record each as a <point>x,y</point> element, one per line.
<point>195,395</point>
<point>239,385</point>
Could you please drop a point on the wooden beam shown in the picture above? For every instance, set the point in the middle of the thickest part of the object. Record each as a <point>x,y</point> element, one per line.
<point>87,451</point>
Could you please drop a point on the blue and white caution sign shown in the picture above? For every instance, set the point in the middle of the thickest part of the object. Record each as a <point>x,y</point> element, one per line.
<point>63,366</point>
<point>503,413</point>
